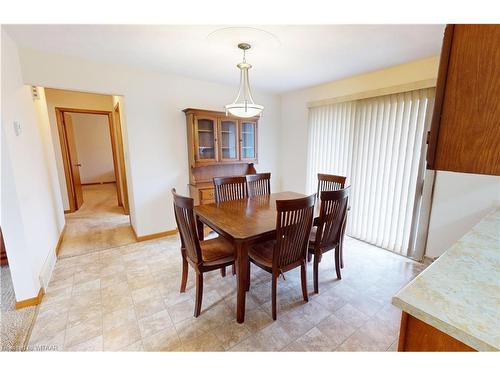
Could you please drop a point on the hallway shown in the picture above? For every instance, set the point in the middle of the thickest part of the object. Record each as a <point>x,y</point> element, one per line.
<point>99,224</point>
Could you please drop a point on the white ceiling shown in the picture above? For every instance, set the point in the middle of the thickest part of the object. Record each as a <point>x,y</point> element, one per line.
<point>296,57</point>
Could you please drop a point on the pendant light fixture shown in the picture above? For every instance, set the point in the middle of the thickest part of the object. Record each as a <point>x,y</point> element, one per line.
<point>243,105</point>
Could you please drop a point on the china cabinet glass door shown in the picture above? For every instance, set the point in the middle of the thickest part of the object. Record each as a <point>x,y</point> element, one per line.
<point>248,140</point>
<point>228,140</point>
<point>205,139</point>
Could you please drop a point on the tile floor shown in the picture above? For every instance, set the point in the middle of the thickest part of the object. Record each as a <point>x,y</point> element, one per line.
<point>126,298</point>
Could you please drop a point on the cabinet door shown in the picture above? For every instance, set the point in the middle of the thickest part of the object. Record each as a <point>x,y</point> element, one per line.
<point>465,132</point>
<point>205,139</point>
<point>228,140</point>
<point>248,140</point>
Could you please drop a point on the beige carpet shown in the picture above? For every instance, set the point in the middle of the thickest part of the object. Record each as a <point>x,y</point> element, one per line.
<point>15,324</point>
<point>99,224</point>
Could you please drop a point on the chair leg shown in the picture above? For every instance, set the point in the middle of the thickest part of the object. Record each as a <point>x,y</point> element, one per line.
<point>184,279</point>
<point>274,290</point>
<point>337,262</point>
<point>248,276</point>
<point>341,249</point>
<point>309,257</point>
<point>341,242</point>
<point>303,279</point>
<point>199,294</point>
<point>315,274</point>
<point>223,271</point>
<point>234,269</point>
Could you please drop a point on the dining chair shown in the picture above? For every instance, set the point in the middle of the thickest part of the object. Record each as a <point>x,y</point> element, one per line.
<point>203,256</point>
<point>328,233</point>
<point>230,189</point>
<point>258,184</point>
<point>330,182</point>
<point>289,249</point>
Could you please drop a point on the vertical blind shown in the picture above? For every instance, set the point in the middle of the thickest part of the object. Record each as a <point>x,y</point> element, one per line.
<point>376,143</point>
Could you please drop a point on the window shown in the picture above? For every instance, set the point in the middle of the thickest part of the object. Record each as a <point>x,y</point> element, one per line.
<point>378,143</point>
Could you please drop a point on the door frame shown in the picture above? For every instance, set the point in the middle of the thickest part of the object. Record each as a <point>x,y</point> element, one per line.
<point>63,140</point>
<point>120,153</point>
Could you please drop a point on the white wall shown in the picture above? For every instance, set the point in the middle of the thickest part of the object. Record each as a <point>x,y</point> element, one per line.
<point>70,99</point>
<point>460,201</point>
<point>155,125</point>
<point>31,213</point>
<point>93,146</point>
<point>294,111</point>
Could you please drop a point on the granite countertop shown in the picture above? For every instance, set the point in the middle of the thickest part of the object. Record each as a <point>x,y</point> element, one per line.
<point>459,293</point>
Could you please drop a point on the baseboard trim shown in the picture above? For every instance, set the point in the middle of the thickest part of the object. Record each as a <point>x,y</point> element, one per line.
<point>154,235</point>
<point>67,211</point>
<point>31,301</point>
<point>59,242</point>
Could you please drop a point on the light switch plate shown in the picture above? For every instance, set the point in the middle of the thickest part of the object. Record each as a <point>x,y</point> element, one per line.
<point>17,128</point>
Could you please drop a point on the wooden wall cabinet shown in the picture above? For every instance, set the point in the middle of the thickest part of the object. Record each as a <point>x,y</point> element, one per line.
<point>218,146</point>
<point>465,130</point>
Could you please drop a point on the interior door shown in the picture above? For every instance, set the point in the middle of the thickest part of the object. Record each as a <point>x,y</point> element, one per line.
<point>73,160</point>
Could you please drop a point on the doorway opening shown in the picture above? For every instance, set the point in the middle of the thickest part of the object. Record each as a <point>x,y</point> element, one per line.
<point>89,142</point>
<point>83,134</point>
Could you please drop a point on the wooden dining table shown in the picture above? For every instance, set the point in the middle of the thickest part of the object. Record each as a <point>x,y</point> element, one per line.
<point>244,222</point>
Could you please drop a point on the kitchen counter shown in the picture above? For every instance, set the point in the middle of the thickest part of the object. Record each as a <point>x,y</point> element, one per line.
<point>459,294</point>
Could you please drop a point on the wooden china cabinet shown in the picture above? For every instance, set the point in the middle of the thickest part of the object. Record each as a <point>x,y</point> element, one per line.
<point>218,146</point>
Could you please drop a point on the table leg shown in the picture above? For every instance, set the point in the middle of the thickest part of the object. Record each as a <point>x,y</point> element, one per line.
<point>241,277</point>
<point>199,226</point>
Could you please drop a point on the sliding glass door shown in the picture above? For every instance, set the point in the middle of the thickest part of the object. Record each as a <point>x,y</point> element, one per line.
<point>378,144</point>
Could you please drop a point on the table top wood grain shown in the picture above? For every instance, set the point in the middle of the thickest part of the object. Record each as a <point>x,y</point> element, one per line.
<point>244,219</point>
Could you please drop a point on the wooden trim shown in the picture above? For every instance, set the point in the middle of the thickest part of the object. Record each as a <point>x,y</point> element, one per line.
<point>98,183</point>
<point>65,157</point>
<point>65,153</point>
<point>154,235</point>
<point>111,126</point>
<point>440,93</point>
<point>121,156</point>
<point>423,84</point>
<point>88,111</point>
<point>31,301</point>
<point>59,242</point>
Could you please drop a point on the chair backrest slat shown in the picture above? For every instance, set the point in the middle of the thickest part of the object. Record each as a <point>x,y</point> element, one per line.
<point>230,188</point>
<point>184,216</point>
<point>330,182</point>
<point>293,225</point>
<point>258,184</point>
<point>331,218</point>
